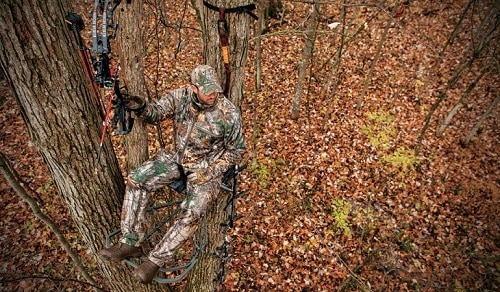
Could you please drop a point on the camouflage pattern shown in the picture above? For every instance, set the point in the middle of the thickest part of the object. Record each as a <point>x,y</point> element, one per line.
<point>208,140</point>
<point>205,78</point>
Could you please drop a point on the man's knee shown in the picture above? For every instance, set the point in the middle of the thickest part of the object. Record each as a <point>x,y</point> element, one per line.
<point>131,182</point>
<point>191,217</point>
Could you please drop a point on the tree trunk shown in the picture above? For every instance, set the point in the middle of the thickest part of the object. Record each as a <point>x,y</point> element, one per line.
<point>130,42</point>
<point>203,277</point>
<point>476,127</point>
<point>306,57</point>
<point>464,64</point>
<point>40,61</point>
<point>448,43</point>
<point>459,103</point>
<point>27,194</point>
<point>238,32</point>
<point>325,91</point>
<point>377,55</point>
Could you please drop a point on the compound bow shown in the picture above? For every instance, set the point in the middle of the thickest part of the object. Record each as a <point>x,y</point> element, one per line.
<point>97,66</point>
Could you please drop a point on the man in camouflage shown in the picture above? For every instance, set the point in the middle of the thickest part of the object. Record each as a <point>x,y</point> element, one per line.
<point>208,141</point>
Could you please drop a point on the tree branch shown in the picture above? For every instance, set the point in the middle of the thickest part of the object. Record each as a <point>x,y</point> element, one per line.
<point>466,141</point>
<point>22,190</point>
<point>48,278</point>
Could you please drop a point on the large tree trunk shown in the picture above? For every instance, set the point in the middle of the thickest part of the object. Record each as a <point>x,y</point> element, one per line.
<point>40,60</point>
<point>203,277</point>
<point>238,32</point>
<point>130,42</point>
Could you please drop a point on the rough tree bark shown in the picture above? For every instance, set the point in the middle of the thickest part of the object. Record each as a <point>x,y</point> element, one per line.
<point>28,195</point>
<point>39,58</point>
<point>130,43</point>
<point>203,277</point>
<point>238,33</point>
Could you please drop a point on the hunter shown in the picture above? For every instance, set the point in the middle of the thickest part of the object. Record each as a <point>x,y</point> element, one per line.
<point>208,140</point>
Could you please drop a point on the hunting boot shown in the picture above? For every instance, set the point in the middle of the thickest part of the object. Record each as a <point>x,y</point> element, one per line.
<point>120,252</point>
<point>146,271</point>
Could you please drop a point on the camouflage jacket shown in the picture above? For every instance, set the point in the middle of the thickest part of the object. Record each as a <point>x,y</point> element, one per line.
<point>206,137</point>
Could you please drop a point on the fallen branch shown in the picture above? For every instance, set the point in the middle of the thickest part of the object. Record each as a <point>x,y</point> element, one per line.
<point>53,279</point>
<point>22,190</point>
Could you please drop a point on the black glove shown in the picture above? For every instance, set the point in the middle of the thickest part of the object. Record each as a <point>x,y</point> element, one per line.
<point>134,103</point>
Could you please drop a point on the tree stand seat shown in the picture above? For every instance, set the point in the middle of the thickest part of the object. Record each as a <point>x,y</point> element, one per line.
<point>171,209</point>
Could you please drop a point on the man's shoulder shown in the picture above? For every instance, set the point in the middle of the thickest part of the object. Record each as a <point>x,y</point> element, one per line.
<point>226,106</point>
<point>181,92</point>
<point>179,97</point>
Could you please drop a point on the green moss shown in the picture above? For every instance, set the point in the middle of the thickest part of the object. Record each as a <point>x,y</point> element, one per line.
<point>381,133</point>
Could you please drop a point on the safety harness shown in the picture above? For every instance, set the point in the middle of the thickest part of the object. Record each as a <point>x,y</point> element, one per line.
<point>222,28</point>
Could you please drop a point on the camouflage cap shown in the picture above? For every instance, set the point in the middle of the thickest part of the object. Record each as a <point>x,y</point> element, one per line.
<point>205,78</point>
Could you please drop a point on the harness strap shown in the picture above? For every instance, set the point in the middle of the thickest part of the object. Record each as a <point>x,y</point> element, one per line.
<point>222,27</point>
<point>240,9</point>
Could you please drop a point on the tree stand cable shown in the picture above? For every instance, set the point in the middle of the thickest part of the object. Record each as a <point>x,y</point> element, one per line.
<point>230,184</point>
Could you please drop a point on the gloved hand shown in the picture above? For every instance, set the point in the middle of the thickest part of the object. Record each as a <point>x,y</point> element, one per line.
<point>134,103</point>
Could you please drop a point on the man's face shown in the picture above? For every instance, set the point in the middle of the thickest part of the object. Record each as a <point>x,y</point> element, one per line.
<point>206,99</point>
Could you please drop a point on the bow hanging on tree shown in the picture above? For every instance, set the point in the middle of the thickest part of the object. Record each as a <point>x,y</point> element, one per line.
<point>97,66</point>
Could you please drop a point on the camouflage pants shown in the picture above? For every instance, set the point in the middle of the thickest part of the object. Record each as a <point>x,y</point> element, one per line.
<point>152,175</point>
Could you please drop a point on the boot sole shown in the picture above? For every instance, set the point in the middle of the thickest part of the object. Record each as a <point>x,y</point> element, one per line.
<point>142,280</point>
<point>134,255</point>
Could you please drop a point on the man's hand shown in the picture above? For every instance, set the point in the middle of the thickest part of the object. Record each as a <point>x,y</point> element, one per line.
<point>134,103</point>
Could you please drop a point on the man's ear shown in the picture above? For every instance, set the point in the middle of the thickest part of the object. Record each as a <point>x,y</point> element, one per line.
<point>194,88</point>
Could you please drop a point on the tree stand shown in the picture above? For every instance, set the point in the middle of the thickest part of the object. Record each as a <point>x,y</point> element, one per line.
<point>165,212</point>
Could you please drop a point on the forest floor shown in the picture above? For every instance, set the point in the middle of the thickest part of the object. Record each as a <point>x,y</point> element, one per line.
<point>336,200</point>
